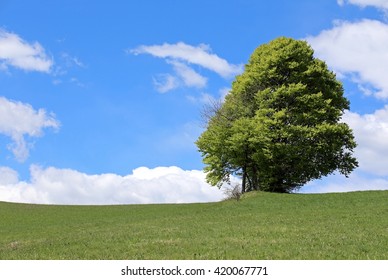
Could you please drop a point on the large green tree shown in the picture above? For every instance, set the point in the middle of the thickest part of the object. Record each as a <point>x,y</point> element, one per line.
<point>280,126</point>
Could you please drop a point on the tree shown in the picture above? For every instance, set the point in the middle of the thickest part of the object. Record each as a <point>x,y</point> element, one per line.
<point>280,126</point>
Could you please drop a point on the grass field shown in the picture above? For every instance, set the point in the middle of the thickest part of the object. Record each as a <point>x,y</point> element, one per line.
<point>259,226</point>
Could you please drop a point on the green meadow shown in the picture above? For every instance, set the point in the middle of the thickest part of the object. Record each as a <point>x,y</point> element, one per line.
<point>260,225</point>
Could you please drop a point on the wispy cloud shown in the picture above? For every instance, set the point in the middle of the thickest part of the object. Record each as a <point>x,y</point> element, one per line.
<point>16,52</point>
<point>184,76</point>
<point>189,77</point>
<point>71,61</point>
<point>381,4</point>
<point>165,83</point>
<point>18,120</point>
<point>200,55</point>
<point>66,186</point>
<point>182,56</point>
<point>65,67</point>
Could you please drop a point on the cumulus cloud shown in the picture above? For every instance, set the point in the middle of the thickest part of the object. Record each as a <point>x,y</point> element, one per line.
<point>339,183</point>
<point>66,186</point>
<point>8,176</point>
<point>371,133</point>
<point>18,120</point>
<point>357,50</point>
<point>16,52</point>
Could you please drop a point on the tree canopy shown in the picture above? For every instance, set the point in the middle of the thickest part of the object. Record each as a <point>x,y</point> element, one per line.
<point>280,126</point>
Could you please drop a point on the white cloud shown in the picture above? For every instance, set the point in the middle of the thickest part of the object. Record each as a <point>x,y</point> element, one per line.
<point>143,186</point>
<point>8,176</point>
<point>15,52</point>
<point>181,56</point>
<point>189,77</point>
<point>224,92</point>
<point>199,55</point>
<point>371,134</point>
<point>18,120</point>
<point>184,76</point>
<point>165,82</point>
<point>358,50</point>
<point>381,4</point>
<point>339,183</point>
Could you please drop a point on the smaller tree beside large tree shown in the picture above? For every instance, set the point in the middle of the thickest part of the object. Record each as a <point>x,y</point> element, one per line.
<point>280,126</point>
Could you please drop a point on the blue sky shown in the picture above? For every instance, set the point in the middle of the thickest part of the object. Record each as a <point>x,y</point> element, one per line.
<point>100,101</point>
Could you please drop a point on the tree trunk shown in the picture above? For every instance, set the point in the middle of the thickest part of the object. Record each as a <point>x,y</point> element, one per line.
<point>254,178</point>
<point>249,183</point>
<point>244,180</point>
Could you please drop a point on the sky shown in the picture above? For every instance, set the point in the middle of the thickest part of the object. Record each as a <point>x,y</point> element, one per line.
<point>100,101</point>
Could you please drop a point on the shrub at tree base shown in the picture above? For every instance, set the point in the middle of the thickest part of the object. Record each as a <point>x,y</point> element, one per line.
<point>280,127</point>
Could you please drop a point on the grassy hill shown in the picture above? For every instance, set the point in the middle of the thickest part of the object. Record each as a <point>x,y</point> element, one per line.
<point>259,226</point>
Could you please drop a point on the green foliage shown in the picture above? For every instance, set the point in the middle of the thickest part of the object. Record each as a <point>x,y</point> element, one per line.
<point>261,226</point>
<point>280,126</point>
